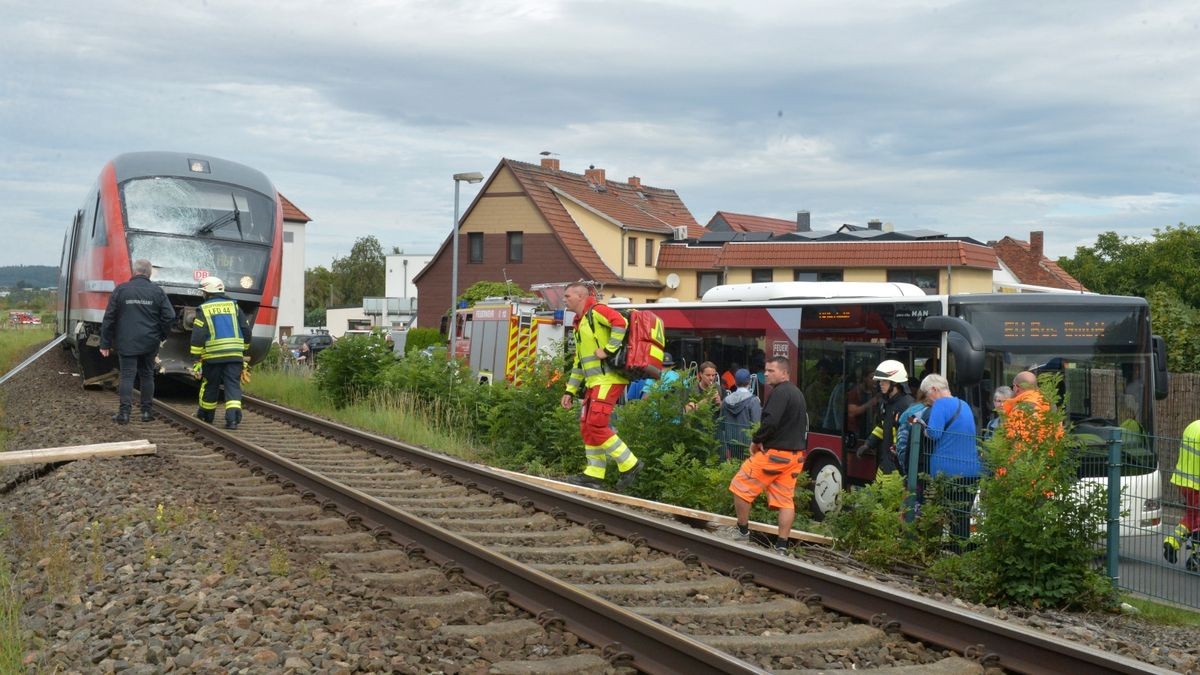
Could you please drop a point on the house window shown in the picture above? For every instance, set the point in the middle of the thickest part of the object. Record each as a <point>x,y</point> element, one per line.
<point>705,281</point>
<point>649,251</point>
<point>817,275</point>
<point>289,237</point>
<point>475,245</point>
<point>926,280</point>
<point>516,247</point>
<point>632,251</point>
<point>759,276</point>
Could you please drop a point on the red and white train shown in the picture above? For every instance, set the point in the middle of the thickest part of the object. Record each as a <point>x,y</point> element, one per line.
<point>191,216</point>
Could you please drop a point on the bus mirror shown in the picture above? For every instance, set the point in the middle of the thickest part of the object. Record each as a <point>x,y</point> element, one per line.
<point>965,343</point>
<point>1160,366</point>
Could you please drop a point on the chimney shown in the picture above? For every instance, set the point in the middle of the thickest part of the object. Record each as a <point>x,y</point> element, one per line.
<point>550,163</point>
<point>635,182</point>
<point>803,221</point>
<point>875,224</point>
<point>594,176</point>
<point>1036,240</point>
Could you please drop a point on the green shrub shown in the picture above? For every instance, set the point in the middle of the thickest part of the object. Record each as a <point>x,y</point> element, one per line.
<point>353,367</point>
<point>273,360</point>
<point>419,338</point>
<point>1040,528</point>
<point>527,426</point>
<point>872,526</point>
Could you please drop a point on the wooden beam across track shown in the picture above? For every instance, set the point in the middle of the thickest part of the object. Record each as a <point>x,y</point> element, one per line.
<point>71,453</point>
<point>694,515</point>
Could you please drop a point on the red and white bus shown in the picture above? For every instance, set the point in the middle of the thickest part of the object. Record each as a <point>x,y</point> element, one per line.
<point>835,334</point>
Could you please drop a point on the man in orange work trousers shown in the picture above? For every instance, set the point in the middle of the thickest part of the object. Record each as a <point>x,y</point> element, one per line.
<point>599,333</point>
<point>776,455</point>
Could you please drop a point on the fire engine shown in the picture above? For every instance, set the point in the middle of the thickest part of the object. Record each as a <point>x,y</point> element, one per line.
<point>503,336</point>
<point>17,317</point>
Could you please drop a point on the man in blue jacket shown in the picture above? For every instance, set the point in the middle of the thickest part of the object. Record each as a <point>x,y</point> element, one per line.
<point>951,427</point>
<point>136,322</point>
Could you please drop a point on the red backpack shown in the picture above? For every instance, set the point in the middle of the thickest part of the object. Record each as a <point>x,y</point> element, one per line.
<point>645,341</point>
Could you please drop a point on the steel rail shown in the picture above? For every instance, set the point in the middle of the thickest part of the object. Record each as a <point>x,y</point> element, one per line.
<point>994,643</point>
<point>34,357</point>
<point>623,636</point>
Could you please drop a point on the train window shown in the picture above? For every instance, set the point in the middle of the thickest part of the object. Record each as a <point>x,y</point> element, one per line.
<point>99,224</point>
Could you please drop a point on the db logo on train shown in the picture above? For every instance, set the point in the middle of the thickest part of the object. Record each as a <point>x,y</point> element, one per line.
<point>199,275</point>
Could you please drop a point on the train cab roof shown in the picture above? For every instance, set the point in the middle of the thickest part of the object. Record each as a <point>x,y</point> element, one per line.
<point>190,165</point>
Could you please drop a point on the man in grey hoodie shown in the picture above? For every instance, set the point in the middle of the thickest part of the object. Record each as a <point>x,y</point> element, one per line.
<point>740,410</point>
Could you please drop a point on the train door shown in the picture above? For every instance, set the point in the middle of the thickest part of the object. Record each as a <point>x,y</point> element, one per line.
<point>66,269</point>
<point>861,406</point>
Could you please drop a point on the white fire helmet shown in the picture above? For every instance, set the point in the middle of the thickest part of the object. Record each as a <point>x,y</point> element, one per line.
<point>892,371</point>
<point>212,285</point>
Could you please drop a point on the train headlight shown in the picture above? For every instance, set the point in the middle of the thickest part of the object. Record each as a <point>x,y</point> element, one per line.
<point>198,166</point>
<point>246,282</point>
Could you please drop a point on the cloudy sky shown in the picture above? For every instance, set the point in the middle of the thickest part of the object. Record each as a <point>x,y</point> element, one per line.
<point>978,119</point>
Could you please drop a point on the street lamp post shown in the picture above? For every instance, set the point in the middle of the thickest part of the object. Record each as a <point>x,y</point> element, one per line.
<point>470,177</point>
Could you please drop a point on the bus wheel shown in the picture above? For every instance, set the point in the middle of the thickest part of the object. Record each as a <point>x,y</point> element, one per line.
<point>826,477</point>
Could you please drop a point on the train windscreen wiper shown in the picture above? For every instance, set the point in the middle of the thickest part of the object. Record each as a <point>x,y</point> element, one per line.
<point>234,216</point>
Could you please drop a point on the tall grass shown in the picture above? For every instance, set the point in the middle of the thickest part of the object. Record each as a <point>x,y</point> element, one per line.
<point>12,647</point>
<point>397,415</point>
<point>15,342</point>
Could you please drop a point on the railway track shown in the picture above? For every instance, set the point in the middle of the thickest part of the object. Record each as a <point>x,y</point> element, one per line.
<point>652,595</point>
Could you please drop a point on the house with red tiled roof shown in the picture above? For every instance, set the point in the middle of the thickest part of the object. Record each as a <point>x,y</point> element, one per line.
<point>535,223</point>
<point>1022,263</point>
<point>875,253</point>
<point>727,221</point>
<point>291,291</point>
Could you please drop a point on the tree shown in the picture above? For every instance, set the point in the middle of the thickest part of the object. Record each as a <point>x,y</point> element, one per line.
<point>489,289</point>
<point>360,274</point>
<point>318,289</point>
<point>315,317</point>
<point>1164,269</point>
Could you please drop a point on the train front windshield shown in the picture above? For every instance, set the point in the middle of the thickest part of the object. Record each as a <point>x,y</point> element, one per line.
<point>191,229</point>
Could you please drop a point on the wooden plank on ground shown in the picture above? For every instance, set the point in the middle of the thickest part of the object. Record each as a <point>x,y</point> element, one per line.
<point>692,514</point>
<point>67,454</point>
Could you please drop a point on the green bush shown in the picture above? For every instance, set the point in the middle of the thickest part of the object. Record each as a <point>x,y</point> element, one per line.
<point>353,367</point>
<point>417,339</point>
<point>1040,529</point>
<point>527,427</point>
<point>273,360</point>
<point>871,524</point>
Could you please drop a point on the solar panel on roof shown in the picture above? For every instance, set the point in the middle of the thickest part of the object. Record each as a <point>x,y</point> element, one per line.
<point>718,237</point>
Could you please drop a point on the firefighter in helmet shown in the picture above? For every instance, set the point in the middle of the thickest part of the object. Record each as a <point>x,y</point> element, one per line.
<point>220,340</point>
<point>1186,478</point>
<point>893,385</point>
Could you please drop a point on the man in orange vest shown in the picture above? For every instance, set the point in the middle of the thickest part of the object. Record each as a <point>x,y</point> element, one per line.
<point>1025,409</point>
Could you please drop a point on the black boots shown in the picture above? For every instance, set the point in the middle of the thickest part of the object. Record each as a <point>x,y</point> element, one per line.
<point>122,417</point>
<point>147,415</point>
<point>206,415</point>
<point>233,417</point>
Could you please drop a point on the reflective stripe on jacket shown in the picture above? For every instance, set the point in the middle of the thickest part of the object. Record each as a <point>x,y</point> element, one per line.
<point>597,326</point>
<point>220,333</point>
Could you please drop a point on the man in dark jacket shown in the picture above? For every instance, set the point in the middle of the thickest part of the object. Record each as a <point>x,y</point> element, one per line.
<point>776,454</point>
<point>893,384</point>
<point>740,411</point>
<point>136,320</point>
<point>220,339</point>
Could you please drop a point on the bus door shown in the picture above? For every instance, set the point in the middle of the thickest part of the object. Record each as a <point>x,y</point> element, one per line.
<point>861,411</point>
<point>690,352</point>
